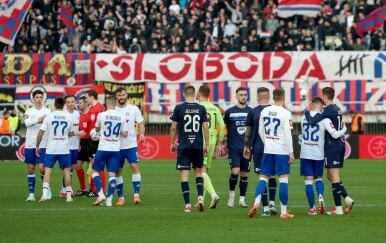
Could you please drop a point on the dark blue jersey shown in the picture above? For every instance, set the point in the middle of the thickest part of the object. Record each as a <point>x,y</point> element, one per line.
<point>334,113</point>
<point>190,117</point>
<point>253,119</point>
<point>236,120</point>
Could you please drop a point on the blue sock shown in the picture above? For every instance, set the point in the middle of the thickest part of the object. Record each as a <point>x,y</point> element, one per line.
<point>185,191</point>
<point>264,198</point>
<point>319,185</point>
<point>111,189</point>
<point>119,186</point>
<point>97,181</point>
<point>31,183</point>
<point>310,193</point>
<point>344,192</point>
<point>260,187</point>
<point>136,178</point>
<point>233,182</point>
<point>243,185</point>
<point>336,193</point>
<point>272,185</point>
<point>283,192</point>
<point>200,186</point>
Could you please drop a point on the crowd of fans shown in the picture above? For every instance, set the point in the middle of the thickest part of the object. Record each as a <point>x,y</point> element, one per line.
<point>170,26</point>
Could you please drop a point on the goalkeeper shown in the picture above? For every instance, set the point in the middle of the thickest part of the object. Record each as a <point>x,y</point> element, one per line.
<point>215,138</point>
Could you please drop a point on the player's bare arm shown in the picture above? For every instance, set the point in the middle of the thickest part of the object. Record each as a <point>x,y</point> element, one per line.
<point>38,141</point>
<point>142,131</point>
<point>173,131</point>
<point>205,127</point>
<point>247,138</point>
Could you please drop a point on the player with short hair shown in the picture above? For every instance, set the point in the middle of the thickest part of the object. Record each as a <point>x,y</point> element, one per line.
<point>33,118</point>
<point>129,146</point>
<point>58,127</point>
<point>253,141</point>
<point>312,155</point>
<point>275,131</point>
<point>215,139</point>
<point>74,141</point>
<point>84,152</point>
<point>111,124</point>
<point>334,150</point>
<point>235,119</point>
<point>191,121</point>
<point>95,107</point>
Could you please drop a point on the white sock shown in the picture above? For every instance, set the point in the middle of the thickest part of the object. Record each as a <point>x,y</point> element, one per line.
<point>266,208</point>
<point>242,199</point>
<point>69,191</point>
<point>46,187</point>
<point>272,203</point>
<point>283,208</point>
<point>213,194</point>
<point>100,193</point>
<point>231,193</point>
<point>258,199</point>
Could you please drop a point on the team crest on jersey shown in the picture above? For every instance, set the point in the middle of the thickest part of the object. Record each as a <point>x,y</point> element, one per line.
<point>84,124</point>
<point>241,130</point>
<point>92,117</point>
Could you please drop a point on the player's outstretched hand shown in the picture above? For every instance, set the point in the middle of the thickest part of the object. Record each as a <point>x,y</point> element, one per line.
<point>247,153</point>
<point>292,159</point>
<point>217,151</point>
<point>82,133</point>
<point>173,148</point>
<point>206,151</point>
<point>37,152</point>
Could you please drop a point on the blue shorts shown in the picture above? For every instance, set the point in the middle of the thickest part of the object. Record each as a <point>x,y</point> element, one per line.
<point>187,157</point>
<point>108,158</point>
<point>74,156</point>
<point>237,160</point>
<point>275,164</point>
<point>334,156</point>
<point>130,154</point>
<point>63,159</point>
<point>31,158</point>
<point>309,167</point>
<point>257,158</point>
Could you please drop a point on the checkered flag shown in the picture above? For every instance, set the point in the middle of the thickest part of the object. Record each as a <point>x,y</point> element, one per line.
<point>12,14</point>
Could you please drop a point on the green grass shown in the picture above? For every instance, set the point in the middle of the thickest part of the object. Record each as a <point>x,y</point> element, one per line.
<point>160,217</point>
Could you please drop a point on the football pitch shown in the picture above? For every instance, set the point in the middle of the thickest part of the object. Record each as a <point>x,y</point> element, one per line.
<point>160,216</point>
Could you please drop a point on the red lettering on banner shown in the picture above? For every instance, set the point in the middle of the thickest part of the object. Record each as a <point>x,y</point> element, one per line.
<point>315,70</point>
<point>278,73</point>
<point>200,66</point>
<point>174,76</point>
<point>247,74</point>
<point>124,68</point>
<point>138,70</point>
<point>214,60</point>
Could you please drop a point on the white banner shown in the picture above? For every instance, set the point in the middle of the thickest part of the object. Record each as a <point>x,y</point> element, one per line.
<point>215,67</point>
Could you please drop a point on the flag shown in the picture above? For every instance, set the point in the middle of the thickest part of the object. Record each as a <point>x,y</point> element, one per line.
<point>66,15</point>
<point>12,14</point>
<point>372,21</point>
<point>309,8</point>
<point>50,92</point>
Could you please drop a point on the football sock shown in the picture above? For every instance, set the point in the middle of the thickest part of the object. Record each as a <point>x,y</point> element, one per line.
<point>81,178</point>
<point>31,183</point>
<point>264,198</point>
<point>272,185</point>
<point>97,181</point>
<point>310,193</point>
<point>103,179</point>
<point>344,192</point>
<point>208,184</point>
<point>319,185</point>
<point>243,185</point>
<point>41,176</point>
<point>200,186</point>
<point>233,182</point>
<point>283,194</point>
<point>68,191</point>
<point>185,191</point>
<point>136,178</point>
<point>63,186</point>
<point>46,187</point>
<point>260,188</point>
<point>119,186</point>
<point>336,193</point>
<point>112,184</point>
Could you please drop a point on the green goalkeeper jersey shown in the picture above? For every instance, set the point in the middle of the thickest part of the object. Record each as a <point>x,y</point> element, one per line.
<point>216,122</point>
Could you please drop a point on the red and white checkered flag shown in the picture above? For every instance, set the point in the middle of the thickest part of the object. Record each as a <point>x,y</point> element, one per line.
<point>12,14</point>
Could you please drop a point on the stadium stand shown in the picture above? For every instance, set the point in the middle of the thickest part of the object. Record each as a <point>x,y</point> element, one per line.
<point>169,26</point>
